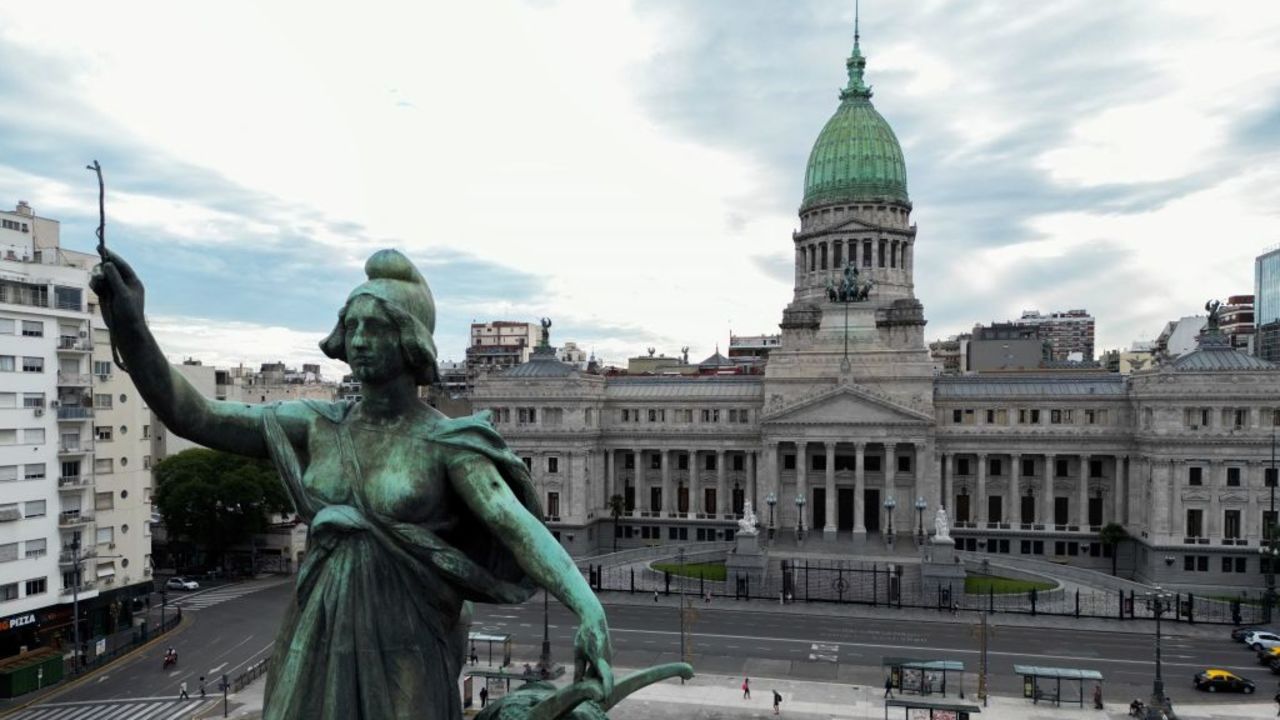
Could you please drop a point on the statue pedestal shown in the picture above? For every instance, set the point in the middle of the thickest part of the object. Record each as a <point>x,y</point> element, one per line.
<point>939,564</point>
<point>746,563</point>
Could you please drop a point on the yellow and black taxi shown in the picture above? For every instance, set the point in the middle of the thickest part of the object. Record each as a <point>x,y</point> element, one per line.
<point>1215,680</point>
<point>1267,656</point>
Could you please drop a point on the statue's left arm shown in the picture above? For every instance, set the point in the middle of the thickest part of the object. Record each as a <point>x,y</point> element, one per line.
<point>488,495</point>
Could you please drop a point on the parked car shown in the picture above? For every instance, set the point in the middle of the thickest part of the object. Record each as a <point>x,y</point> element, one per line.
<point>1238,634</point>
<point>1259,640</point>
<point>181,583</point>
<point>1216,680</point>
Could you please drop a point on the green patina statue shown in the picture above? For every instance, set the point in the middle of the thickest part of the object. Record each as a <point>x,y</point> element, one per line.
<point>412,516</point>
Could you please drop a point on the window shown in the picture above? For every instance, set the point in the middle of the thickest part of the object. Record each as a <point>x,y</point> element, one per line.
<point>739,462</point>
<point>37,586</point>
<point>6,363</point>
<point>1231,524</point>
<point>1196,418</point>
<point>8,552</point>
<point>553,506</point>
<point>997,417</point>
<point>1055,417</point>
<point>37,547</point>
<point>1195,476</point>
<point>33,471</point>
<point>711,416</point>
<point>1240,418</point>
<point>997,468</point>
<point>146,462</point>
<point>33,508</point>
<point>962,466</point>
<point>1095,468</point>
<point>789,462</point>
<point>104,501</point>
<point>102,433</point>
<point>102,368</point>
<point>1060,467</point>
<point>8,436</point>
<point>32,328</point>
<point>1028,467</point>
<point>32,364</point>
<point>819,462</point>
<point>8,473</point>
<point>904,463</point>
<point>7,326</point>
<point>1195,524</point>
<point>9,592</point>
<point>32,400</point>
<point>528,462</point>
<point>553,464</point>
<point>102,466</point>
<point>8,400</point>
<point>682,461</point>
<point>102,401</point>
<point>744,416</point>
<point>106,535</point>
<point>33,436</point>
<point>1233,477</point>
<point>655,461</point>
<point>525,415</point>
<point>1269,475</point>
<point>872,463</point>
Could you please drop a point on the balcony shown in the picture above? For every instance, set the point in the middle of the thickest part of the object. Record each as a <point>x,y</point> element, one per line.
<point>66,379</point>
<point>75,482</point>
<point>67,343</point>
<point>75,448</point>
<point>66,557</point>
<point>75,413</point>
<point>84,587</point>
<point>74,518</point>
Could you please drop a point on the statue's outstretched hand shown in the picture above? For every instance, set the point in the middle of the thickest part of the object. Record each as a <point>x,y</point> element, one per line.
<point>119,291</point>
<point>593,655</point>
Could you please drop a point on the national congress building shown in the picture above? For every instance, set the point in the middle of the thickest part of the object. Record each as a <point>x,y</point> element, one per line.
<point>1033,464</point>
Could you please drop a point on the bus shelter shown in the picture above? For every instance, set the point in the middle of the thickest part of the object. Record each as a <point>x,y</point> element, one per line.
<point>1045,683</point>
<point>922,709</point>
<point>489,639</point>
<point>922,677</point>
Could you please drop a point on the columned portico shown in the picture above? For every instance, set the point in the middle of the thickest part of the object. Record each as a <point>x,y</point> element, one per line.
<point>829,527</point>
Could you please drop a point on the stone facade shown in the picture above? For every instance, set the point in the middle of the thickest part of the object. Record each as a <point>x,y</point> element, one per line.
<point>850,412</point>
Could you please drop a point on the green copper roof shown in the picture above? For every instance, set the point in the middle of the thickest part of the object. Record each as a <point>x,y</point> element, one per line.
<point>856,156</point>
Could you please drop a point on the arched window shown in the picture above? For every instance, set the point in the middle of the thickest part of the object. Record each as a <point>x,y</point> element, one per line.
<point>836,261</point>
<point>866,253</point>
<point>813,258</point>
<point>881,258</point>
<point>822,250</point>
<point>893,254</point>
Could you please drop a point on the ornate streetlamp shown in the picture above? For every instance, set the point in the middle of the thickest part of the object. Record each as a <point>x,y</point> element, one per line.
<point>799,517</point>
<point>771,500</point>
<point>920,506</point>
<point>889,504</point>
<point>1270,551</point>
<point>1159,603</point>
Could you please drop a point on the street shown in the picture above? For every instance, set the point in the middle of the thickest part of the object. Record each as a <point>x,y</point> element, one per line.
<point>232,627</point>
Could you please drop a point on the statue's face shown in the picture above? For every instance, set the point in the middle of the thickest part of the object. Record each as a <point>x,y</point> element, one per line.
<point>372,342</point>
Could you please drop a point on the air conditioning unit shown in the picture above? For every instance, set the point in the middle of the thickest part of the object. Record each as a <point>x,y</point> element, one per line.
<point>84,334</point>
<point>111,546</point>
<point>53,404</point>
<point>39,411</point>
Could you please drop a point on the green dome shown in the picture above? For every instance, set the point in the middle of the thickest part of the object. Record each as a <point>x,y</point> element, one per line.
<point>856,156</point>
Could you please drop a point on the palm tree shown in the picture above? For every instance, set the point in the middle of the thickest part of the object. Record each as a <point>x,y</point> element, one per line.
<point>616,508</point>
<point>1112,535</point>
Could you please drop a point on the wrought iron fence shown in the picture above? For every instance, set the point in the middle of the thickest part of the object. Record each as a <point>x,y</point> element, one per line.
<point>901,586</point>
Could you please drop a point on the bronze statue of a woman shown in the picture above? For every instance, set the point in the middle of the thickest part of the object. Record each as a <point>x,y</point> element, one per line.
<point>412,515</point>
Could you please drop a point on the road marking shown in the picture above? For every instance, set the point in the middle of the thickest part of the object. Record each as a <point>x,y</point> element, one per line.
<point>104,677</point>
<point>175,673</point>
<point>214,670</point>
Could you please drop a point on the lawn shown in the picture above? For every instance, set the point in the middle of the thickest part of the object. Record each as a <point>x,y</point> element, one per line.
<point>979,584</point>
<point>708,571</point>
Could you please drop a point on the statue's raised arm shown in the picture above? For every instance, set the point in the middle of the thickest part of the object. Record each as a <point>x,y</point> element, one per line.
<point>234,427</point>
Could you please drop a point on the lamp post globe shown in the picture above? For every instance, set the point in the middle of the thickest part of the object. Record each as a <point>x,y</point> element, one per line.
<point>889,505</point>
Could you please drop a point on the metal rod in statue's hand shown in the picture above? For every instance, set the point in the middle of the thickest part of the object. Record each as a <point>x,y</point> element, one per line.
<point>102,253</point>
<point>102,210</point>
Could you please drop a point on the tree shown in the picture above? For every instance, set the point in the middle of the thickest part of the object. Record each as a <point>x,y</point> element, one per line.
<point>616,508</point>
<point>215,500</point>
<point>1111,535</point>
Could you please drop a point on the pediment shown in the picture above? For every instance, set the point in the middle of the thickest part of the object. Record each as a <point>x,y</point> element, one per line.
<point>846,405</point>
<point>843,226</point>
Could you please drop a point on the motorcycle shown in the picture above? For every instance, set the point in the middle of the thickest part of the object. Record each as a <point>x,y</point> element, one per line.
<point>169,661</point>
<point>1137,709</point>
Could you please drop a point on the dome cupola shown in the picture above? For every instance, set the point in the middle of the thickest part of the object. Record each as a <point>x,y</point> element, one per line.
<point>856,157</point>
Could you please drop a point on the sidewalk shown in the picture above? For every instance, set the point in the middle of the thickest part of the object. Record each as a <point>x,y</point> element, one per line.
<point>719,697</point>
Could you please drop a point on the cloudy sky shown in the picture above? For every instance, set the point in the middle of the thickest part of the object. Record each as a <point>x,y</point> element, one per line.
<point>633,170</point>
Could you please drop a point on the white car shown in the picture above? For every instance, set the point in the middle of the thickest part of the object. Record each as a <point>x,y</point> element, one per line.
<point>181,583</point>
<point>1262,640</point>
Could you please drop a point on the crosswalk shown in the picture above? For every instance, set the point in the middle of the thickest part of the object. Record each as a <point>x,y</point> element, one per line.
<point>223,594</point>
<point>133,709</point>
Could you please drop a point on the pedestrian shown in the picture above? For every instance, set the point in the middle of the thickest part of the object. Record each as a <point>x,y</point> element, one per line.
<point>475,658</point>
<point>707,598</point>
<point>777,700</point>
<point>888,686</point>
<point>1278,704</point>
<point>202,686</point>
<point>182,691</point>
<point>1097,697</point>
<point>484,696</point>
<point>655,596</point>
<point>746,688</point>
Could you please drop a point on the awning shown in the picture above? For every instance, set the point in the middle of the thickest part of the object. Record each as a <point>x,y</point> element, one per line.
<point>1059,673</point>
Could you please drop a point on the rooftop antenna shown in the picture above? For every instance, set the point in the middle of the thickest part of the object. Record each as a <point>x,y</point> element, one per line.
<point>855,23</point>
